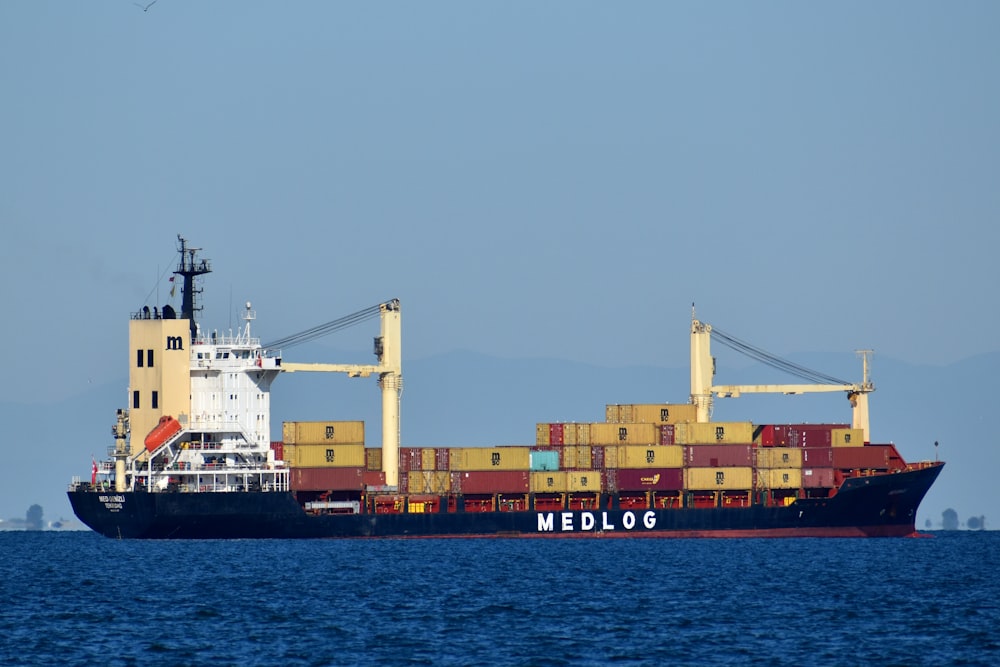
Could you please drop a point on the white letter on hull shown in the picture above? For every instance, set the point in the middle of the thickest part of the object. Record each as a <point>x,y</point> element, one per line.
<point>604,522</point>
<point>649,520</point>
<point>545,522</point>
<point>587,521</point>
<point>567,521</point>
<point>628,520</point>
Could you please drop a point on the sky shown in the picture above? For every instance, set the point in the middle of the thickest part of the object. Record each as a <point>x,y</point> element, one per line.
<point>531,179</point>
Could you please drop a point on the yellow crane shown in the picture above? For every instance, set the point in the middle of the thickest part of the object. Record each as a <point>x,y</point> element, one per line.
<point>703,372</point>
<point>388,350</point>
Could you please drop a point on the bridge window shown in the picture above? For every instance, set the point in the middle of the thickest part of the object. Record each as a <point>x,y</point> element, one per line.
<point>149,358</point>
<point>156,400</point>
<point>138,358</point>
<point>135,400</point>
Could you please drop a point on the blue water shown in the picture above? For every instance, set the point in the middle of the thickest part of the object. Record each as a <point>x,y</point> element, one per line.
<point>77,598</point>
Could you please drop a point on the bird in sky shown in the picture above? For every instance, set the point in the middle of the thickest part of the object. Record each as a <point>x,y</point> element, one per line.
<point>144,8</point>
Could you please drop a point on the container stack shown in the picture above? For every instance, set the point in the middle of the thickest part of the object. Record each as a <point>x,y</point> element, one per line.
<point>644,455</point>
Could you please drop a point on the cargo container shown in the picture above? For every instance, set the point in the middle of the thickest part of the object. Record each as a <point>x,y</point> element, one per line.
<point>779,478</point>
<point>817,457</point>
<point>374,478</point>
<point>582,433</point>
<point>624,434</point>
<point>650,413</point>
<point>718,456</point>
<point>410,458</point>
<point>667,434</point>
<point>653,456</point>
<point>429,481</point>
<point>373,458</point>
<point>428,458</point>
<point>490,481</point>
<point>576,456</point>
<point>542,460</point>
<point>847,437</point>
<point>707,479</point>
<point>327,432</point>
<point>813,478</point>
<point>326,479</point>
<point>548,482</point>
<point>542,434</point>
<point>649,479</point>
<point>869,457</point>
<point>325,456</point>
<point>779,457</point>
<point>584,480</point>
<point>490,458</point>
<point>278,447</point>
<point>709,433</point>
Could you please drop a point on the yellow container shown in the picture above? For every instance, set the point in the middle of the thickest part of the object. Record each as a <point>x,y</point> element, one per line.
<point>576,456</point>
<point>582,433</point>
<point>314,433</point>
<point>725,479</point>
<point>542,434</point>
<point>548,482</point>
<point>847,437</point>
<point>650,413</point>
<point>653,456</point>
<point>373,458</point>
<point>490,458</point>
<point>713,433</point>
<point>428,458</point>
<point>624,434</point>
<point>428,481</point>
<point>779,478</point>
<point>779,457</point>
<point>583,480</point>
<point>325,456</point>
<point>611,456</point>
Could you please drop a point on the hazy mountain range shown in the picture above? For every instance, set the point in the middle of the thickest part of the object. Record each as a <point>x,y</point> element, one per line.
<point>466,398</point>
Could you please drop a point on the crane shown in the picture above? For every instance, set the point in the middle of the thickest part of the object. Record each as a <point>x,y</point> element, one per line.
<point>703,371</point>
<point>389,370</point>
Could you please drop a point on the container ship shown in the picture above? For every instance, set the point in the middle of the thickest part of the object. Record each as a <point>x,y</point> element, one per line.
<point>204,464</point>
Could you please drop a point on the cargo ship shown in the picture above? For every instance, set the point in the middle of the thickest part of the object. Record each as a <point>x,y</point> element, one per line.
<point>193,456</point>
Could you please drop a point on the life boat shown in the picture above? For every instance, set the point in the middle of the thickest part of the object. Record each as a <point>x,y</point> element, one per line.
<point>166,429</point>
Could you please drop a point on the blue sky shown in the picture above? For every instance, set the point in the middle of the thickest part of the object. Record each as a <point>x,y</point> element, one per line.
<point>553,179</point>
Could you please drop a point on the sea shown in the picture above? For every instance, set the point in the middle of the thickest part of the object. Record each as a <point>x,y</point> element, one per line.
<point>75,598</point>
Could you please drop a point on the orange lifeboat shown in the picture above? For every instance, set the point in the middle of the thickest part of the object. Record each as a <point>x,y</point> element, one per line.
<point>162,432</point>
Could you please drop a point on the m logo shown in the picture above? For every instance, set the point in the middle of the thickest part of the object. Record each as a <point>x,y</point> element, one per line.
<point>330,455</point>
<point>175,343</point>
<point>495,458</point>
<point>329,432</point>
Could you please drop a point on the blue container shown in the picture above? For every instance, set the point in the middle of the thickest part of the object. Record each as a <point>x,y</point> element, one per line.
<point>543,461</point>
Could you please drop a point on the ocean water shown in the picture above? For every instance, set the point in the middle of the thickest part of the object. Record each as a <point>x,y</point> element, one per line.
<point>76,598</point>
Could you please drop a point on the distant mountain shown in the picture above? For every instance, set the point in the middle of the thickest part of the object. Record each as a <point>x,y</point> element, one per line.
<point>467,398</point>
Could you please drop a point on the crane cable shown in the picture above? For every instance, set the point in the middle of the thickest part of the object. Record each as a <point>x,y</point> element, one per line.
<point>326,329</point>
<point>772,360</point>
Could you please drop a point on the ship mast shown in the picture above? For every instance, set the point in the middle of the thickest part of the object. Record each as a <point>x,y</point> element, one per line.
<point>190,268</point>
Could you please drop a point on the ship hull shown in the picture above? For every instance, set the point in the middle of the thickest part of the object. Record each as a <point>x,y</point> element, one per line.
<point>876,506</point>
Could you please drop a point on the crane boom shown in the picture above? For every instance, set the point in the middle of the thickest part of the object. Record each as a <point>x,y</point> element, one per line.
<point>388,349</point>
<point>703,391</point>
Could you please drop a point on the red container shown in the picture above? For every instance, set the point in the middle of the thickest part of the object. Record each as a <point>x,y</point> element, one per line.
<point>555,434</point>
<point>717,456</point>
<point>597,457</point>
<point>442,455</point>
<point>817,457</point>
<point>410,458</point>
<point>326,479</point>
<point>867,457</point>
<point>767,435</point>
<point>490,481</point>
<point>650,479</point>
<point>374,478</point>
<point>817,478</point>
<point>666,434</point>
<point>278,447</point>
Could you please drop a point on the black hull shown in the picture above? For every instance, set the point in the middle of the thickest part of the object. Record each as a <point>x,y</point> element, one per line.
<point>876,506</point>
